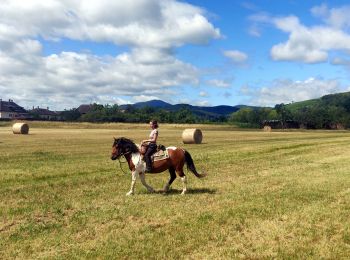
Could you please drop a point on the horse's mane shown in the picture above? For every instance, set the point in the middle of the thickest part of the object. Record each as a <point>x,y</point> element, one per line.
<point>127,144</point>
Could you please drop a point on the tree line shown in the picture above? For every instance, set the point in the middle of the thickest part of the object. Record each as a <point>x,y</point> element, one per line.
<point>113,113</point>
<point>328,112</point>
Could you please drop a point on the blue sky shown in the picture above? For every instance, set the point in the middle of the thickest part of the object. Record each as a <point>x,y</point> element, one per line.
<point>61,54</point>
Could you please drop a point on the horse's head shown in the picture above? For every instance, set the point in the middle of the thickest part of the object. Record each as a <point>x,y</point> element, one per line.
<point>116,149</point>
<point>122,146</point>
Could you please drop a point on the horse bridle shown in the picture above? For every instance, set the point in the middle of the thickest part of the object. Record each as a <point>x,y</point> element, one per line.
<point>120,162</point>
<point>120,155</point>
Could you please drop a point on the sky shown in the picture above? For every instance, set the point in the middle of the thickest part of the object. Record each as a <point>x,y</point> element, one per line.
<point>64,53</point>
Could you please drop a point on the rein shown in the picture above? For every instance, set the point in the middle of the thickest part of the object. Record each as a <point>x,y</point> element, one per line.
<point>120,162</point>
<point>126,144</point>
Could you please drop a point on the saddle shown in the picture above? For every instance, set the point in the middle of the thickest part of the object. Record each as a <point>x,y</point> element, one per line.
<point>160,154</point>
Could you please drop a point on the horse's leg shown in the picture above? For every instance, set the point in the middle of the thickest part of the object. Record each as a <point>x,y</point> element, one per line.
<point>181,173</point>
<point>143,180</point>
<point>172,178</point>
<point>184,184</point>
<point>133,181</point>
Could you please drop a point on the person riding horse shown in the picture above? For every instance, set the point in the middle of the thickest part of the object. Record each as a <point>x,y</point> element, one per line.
<point>152,145</point>
<point>175,162</point>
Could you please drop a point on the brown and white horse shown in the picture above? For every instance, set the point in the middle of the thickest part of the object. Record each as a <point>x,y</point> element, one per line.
<point>174,163</point>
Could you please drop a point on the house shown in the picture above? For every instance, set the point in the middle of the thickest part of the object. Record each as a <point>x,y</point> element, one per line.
<point>10,110</point>
<point>44,113</point>
<point>84,109</point>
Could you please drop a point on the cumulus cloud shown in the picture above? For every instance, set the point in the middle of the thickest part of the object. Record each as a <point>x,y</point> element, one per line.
<point>151,29</point>
<point>334,17</point>
<point>236,56</point>
<point>149,23</point>
<point>287,91</point>
<point>308,44</point>
<point>68,77</point>
<point>312,44</point>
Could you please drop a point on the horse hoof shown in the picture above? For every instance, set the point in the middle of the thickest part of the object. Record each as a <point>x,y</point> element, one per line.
<point>130,193</point>
<point>183,193</point>
<point>151,191</point>
<point>166,188</point>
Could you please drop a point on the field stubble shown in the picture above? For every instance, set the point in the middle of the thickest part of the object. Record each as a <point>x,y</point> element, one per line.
<point>277,194</point>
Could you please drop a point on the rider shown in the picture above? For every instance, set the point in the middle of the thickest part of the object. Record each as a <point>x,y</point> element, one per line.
<point>152,144</point>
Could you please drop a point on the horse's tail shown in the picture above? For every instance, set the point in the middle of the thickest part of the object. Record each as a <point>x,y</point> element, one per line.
<point>190,165</point>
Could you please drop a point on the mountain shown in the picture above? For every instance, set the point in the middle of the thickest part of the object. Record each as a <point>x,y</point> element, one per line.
<point>154,104</point>
<point>210,112</point>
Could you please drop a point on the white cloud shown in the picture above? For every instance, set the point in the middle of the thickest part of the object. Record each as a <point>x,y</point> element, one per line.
<point>194,102</point>
<point>258,21</point>
<point>202,103</point>
<point>151,23</point>
<point>249,6</point>
<point>320,10</point>
<point>236,56</point>
<point>254,30</point>
<point>312,44</point>
<point>218,83</point>
<point>110,100</point>
<point>341,61</point>
<point>287,91</point>
<point>203,94</point>
<point>334,17</point>
<point>70,78</point>
<point>151,29</point>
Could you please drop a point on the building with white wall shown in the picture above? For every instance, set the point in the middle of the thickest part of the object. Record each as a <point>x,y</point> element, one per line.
<point>10,110</point>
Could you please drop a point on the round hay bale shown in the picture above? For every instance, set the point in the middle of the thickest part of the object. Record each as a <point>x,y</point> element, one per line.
<point>192,136</point>
<point>267,128</point>
<point>20,128</point>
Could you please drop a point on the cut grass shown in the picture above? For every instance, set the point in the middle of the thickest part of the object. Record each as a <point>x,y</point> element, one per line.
<point>267,195</point>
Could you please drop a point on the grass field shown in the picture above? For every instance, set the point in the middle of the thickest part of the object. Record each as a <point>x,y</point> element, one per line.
<point>267,195</point>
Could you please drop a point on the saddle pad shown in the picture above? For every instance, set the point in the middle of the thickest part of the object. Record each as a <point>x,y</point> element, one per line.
<point>160,155</point>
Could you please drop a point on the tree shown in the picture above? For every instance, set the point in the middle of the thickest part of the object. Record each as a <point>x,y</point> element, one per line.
<point>283,113</point>
<point>184,115</point>
<point>70,115</point>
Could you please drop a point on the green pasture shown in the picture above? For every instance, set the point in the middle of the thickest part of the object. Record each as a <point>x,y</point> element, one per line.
<point>282,194</point>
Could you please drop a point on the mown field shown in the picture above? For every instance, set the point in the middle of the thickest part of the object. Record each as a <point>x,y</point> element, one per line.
<point>267,195</point>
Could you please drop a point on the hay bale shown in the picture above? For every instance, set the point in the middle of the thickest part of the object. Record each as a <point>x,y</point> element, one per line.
<point>267,128</point>
<point>192,136</point>
<point>20,128</point>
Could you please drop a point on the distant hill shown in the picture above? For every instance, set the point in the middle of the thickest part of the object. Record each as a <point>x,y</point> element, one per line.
<point>338,100</point>
<point>154,104</point>
<point>210,112</point>
<point>328,112</point>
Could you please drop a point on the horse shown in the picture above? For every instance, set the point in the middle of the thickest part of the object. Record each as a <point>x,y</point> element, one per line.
<point>175,162</point>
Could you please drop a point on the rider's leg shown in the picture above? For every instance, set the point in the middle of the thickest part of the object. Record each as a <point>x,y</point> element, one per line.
<point>151,149</point>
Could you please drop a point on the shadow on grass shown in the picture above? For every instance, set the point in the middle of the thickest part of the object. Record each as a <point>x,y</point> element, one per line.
<point>188,145</point>
<point>189,191</point>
